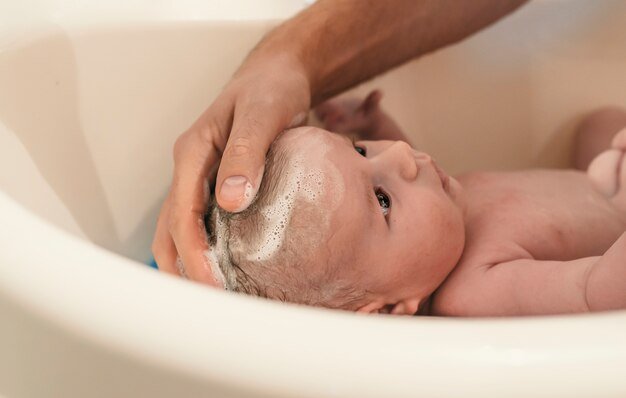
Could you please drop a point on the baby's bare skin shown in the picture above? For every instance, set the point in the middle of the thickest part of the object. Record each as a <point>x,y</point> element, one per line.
<point>541,241</point>
<point>525,235</point>
<point>404,238</point>
<point>548,241</point>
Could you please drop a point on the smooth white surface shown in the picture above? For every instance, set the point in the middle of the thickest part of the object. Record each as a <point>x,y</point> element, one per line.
<point>88,114</point>
<point>222,342</point>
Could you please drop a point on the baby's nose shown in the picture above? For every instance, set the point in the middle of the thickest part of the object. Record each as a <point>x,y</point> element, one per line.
<point>404,160</point>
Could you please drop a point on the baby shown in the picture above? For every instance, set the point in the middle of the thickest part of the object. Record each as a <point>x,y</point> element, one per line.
<point>378,227</point>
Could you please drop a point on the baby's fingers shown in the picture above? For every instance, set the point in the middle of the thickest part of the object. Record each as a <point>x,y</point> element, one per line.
<point>603,172</point>
<point>371,102</point>
<point>619,141</point>
<point>620,198</point>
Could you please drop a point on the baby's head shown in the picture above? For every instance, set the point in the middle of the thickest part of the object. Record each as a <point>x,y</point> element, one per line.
<point>372,226</point>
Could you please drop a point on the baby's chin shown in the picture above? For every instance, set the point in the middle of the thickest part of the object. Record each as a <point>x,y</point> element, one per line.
<point>456,192</point>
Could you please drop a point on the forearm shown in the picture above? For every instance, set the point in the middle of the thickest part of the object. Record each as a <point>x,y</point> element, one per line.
<point>606,281</point>
<point>344,42</point>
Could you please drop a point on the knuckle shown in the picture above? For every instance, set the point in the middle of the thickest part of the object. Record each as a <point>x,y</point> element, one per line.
<point>205,135</point>
<point>239,147</point>
<point>210,133</point>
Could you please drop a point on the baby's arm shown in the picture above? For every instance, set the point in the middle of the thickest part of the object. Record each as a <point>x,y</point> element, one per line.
<point>534,287</point>
<point>606,282</point>
<point>363,118</point>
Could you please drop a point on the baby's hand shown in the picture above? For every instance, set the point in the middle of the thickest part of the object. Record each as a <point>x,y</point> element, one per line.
<point>608,170</point>
<point>606,282</point>
<point>351,115</point>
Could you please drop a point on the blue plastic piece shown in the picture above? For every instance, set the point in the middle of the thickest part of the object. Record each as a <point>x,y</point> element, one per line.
<point>153,264</point>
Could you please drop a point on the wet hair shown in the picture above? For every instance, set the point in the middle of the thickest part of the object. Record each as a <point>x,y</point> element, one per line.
<point>292,273</point>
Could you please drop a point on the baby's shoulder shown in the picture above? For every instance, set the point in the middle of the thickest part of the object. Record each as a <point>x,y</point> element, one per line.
<point>467,279</point>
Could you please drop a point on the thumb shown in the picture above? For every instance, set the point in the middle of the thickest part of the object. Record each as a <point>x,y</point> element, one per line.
<point>243,162</point>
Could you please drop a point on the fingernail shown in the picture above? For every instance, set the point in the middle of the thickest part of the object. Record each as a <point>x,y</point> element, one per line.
<point>235,189</point>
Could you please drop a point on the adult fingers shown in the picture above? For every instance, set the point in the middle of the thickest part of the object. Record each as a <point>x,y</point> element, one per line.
<point>255,126</point>
<point>163,247</point>
<point>195,155</point>
<point>188,205</point>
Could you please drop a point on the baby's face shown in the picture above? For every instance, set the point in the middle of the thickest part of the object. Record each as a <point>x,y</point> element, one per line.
<point>396,219</point>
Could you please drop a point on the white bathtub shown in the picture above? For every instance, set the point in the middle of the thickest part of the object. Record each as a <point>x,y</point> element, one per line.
<point>92,98</point>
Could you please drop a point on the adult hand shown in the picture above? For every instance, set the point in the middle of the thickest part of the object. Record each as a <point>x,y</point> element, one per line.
<point>318,53</point>
<point>268,94</point>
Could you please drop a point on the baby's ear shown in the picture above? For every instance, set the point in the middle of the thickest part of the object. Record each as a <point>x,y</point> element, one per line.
<point>374,307</point>
<point>406,307</point>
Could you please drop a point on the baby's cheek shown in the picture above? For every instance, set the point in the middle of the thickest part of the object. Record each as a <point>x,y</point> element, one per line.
<point>447,228</point>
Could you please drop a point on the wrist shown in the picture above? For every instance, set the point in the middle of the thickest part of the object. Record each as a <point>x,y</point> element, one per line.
<point>291,48</point>
<point>275,60</point>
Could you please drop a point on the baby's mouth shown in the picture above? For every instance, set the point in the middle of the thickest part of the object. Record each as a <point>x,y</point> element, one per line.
<point>445,179</point>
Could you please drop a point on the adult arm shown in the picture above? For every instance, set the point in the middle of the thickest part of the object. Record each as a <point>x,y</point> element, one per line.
<point>332,45</point>
<point>344,42</point>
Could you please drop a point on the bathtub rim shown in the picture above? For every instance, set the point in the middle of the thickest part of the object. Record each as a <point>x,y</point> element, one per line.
<point>45,294</point>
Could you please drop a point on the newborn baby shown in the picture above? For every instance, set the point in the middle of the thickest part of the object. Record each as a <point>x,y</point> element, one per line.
<point>378,227</point>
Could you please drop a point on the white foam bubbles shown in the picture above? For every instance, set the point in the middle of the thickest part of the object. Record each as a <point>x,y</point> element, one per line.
<point>277,215</point>
<point>303,179</point>
<point>213,260</point>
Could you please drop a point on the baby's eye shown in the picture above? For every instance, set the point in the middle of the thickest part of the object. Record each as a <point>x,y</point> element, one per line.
<point>383,201</point>
<point>361,150</point>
